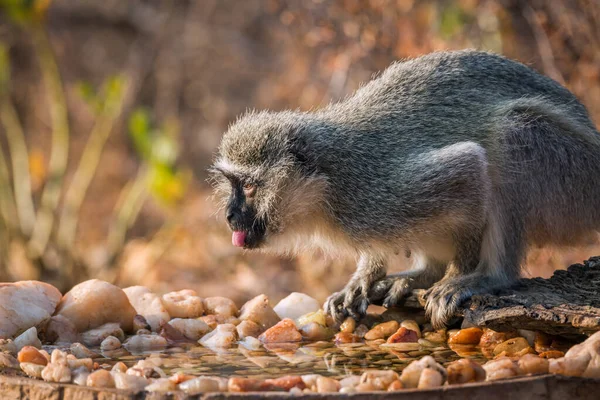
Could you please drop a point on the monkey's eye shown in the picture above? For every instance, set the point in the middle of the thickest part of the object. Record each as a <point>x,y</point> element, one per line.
<point>249,189</point>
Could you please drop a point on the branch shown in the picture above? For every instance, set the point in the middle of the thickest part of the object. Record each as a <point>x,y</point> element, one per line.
<point>7,206</point>
<point>88,165</point>
<point>60,143</point>
<point>20,165</point>
<point>128,207</point>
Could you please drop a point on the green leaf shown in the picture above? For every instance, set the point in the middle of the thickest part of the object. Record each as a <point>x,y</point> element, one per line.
<point>139,129</point>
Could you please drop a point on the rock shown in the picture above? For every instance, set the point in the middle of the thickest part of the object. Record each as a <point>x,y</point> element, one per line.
<point>465,370</point>
<point>183,304</point>
<point>382,331</point>
<point>33,370</point>
<point>345,337</point>
<point>201,384</point>
<point>439,336</point>
<point>248,328</point>
<point>501,368</point>
<point>79,376</point>
<point>149,305</point>
<point>251,343</point>
<point>8,346</point>
<point>25,304</point>
<point>220,306</point>
<point>296,305</point>
<point>139,322</point>
<point>110,343</point>
<point>8,361</point>
<point>379,380</point>
<point>28,338</point>
<point>93,303</point>
<point>285,383</point>
<point>430,378</point>
<point>412,325</point>
<point>395,386</point>
<point>284,331</point>
<point>192,329</point>
<point>466,336</point>
<point>60,329</point>
<point>161,385</point>
<point>94,337</point>
<point>411,375</point>
<point>119,367</point>
<point>129,382</point>
<point>318,317</point>
<point>490,339</point>
<point>240,385</point>
<point>79,363</point>
<point>404,335</point>
<point>533,364</point>
<point>145,343</point>
<point>223,336</point>
<point>259,310</point>
<point>316,332</point>
<point>30,354</point>
<point>80,351</point>
<point>327,385</point>
<point>590,350</point>
<point>213,320</point>
<point>57,370</point>
<point>100,379</point>
<point>348,325</point>
<point>515,347</point>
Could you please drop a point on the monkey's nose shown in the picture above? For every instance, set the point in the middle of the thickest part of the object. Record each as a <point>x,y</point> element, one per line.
<point>232,216</point>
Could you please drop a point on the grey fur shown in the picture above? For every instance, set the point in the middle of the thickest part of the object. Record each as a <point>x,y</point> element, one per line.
<point>464,158</point>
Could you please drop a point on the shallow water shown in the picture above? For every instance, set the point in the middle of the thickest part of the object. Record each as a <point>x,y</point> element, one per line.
<point>324,358</point>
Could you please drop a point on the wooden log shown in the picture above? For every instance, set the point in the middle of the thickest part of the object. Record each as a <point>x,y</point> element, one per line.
<point>567,304</point>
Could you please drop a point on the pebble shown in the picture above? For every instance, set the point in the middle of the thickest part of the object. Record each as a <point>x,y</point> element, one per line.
<point>110,343</point>
<point>192,329</point>
<point>296,305</point>
<point>327,385</point>
<point>25,304</point>
<point>94,337</point>
<point>248,328</point>
<point>145,342</point>
<point>33,370</point>
<point>161,385</point>
<point>500,369</point>
<point>60,329</point>
<point>382,331</point>
<point>284,331</point>
<point>201,384</point>
<point>412,325</point>
<point>93,303</point>
<point>100,379</point>
<point>28,338</point>
<point>515,347</point>
<point>30,354</point>
<point>404,335</point>
<point>348,326</point>
<point>183,304</point>
<point>379,380</point>
<point>465,370</point>
<point>220,306</point>
<point>223,336</point>
<point>532,364</point>
<point>8,361</point>
<point>149,305</point>
<point>129,382</point>
<point>260,311</point>
<point>466,336</point>
<point>80,351</point>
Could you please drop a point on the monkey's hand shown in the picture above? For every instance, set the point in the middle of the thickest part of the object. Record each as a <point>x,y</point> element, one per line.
<point>353,300</point>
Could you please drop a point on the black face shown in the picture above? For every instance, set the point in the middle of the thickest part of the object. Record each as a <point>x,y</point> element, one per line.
<point>241,214</point>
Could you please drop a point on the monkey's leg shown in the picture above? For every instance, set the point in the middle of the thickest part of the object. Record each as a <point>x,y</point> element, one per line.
<point>501,253</point>
<point>394,287</point>
<point>353,300</point>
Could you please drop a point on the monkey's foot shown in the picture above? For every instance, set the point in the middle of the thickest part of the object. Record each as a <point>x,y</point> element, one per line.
<point>350,301</point>
<point>445,297</point>
<point>392,289</point>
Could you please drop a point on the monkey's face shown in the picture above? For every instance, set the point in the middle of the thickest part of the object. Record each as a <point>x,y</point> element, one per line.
<point>259,179</point>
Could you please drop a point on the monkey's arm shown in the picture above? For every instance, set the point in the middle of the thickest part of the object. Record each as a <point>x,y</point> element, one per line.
<point>353,299</point>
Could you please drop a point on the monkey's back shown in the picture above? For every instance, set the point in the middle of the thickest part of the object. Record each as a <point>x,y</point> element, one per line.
<point>467,96</point>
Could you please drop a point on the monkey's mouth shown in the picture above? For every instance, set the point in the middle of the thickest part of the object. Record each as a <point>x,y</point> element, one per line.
<point>247,239</point>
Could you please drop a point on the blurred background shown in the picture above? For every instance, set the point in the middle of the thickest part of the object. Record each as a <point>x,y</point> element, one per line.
<point>111,111</point>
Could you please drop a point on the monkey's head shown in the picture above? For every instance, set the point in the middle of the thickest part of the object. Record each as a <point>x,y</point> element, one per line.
<point>264,177</point>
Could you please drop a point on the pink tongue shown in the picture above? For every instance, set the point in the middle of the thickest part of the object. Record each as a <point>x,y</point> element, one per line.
<point>238,238</point>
